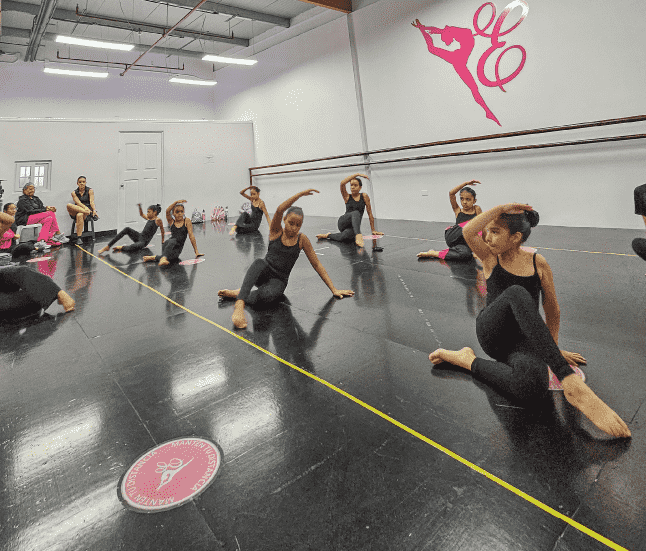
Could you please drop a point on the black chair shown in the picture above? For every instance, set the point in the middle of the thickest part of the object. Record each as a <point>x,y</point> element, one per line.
<point>86,232</point>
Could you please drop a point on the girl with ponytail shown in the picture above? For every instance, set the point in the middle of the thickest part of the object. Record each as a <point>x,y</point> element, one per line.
<point>510,328</point>
<point>142,239</point>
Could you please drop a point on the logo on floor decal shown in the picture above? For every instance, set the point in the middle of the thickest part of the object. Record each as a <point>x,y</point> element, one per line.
<point>191,261</point>
<point>41,259</point>
<point>169,475</point>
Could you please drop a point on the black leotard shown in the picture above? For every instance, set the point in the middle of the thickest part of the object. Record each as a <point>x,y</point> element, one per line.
<point>179,234</point>
<point>281,258</point>
<point>352,205</point>
<point>500,279</point>
<point>149,231</point>
<point>463,217</point>
<point>256,215</point>
<point>85,198</point>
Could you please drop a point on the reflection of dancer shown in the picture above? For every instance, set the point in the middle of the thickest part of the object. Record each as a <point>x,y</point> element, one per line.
<point>271,274</point>
<point>639,243</point>
<point>458,248</point>
<point>248,223</point>
<point>511,329</point>
<point>457,58</point>
<point>350,223</point>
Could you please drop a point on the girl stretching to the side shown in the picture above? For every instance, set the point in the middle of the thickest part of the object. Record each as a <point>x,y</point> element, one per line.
<point>271,274</point>
<point>142,239</point>
<point>180,228</point>
<point>350,223</point>
<point>248,223</point>
<point>510,328</point>
<point>458,248</point>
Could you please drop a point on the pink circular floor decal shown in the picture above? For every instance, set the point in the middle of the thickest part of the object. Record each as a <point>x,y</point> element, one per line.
<point>372,236</point>
<point>41,259</point>
<point>554,382</point>
<point>191,261</point>
<point>169,475</point>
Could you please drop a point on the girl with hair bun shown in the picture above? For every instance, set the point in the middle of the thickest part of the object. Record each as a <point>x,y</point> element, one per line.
<point>142,239</point>
<point>510,328</point>
<point>458,248</point>
<point>249,223</point>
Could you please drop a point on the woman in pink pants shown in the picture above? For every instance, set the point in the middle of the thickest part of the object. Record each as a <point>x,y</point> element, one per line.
<point>32,211</point>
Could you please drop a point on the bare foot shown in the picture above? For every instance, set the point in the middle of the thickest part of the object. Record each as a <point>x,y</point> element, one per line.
<point>104,250</point>
<point>227,293</point>
<point>428,254</point>
<point>358,239</point>
<point>149,258</point>
<point>66,301</point>
<point>462,358</point>
<point>322,235</point>
<point>163,261</point>
<point>587,402</point>
<point>117,248</point>
<point>233,230</point>
<point>238,317</point>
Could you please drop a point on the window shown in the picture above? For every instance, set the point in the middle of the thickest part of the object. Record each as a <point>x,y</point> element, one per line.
<point>35,172</point>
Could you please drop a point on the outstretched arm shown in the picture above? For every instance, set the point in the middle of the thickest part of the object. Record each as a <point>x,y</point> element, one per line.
<point>275,228</point>
<point>644,217</point>
<point>141,212</point>
<point>264,209</point>
<point>370,216</point>
<point>478,224</point>
<point>92,202</point>
<point>191,236</point>
<point>455,191</point>
<point>169,211</point>
<point>320,270</point>
<point>160,225</point>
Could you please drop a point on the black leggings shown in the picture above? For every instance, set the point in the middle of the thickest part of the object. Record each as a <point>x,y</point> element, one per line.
<point>270,286</point>
<point>511,331</point>
<point>138,244</point>
<point>171,249</point>
<point>349,225</point>
<point>639,246</point>
<point>458,248</point>
<point>24,291</point>
<point>245,224</point>
<point>459,252</point>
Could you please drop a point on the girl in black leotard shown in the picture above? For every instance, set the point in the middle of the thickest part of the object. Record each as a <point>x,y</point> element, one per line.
<point>248,223</point>
<point>180,228</point>
<point>458,248</point>
<point>142,239</point>
<point>639,243</point>
<point>349,224</point>
<point>510,328</point>
<point>271,274</point>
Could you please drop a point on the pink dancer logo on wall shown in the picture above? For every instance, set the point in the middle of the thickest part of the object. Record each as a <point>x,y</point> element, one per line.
<point>169,475</point>
<point>458,58</point>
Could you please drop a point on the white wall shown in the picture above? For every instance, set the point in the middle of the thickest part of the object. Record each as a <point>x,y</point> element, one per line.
<point>91,148</point>
<point>582,65</point>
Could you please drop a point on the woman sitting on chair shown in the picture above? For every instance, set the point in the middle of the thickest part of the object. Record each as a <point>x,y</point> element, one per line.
<point>83,206</point>
<point>30,210</point>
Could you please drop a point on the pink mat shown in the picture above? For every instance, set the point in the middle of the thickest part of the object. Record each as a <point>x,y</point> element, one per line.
<point>554,382</point>
<point>191,261</point>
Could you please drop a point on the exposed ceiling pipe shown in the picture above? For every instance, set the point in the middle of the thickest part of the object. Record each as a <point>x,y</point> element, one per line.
<point>164,35</point>
<point>39,27</point>
<point>58,56</point>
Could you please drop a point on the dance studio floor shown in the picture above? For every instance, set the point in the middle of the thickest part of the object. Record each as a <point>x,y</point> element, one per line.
<point>84,395</point>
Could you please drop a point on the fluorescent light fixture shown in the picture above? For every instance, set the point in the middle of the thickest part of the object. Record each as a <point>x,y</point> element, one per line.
<point>75,73</point>
<point>94,43</point>
<point>229,60</point>
<point>198,82</point>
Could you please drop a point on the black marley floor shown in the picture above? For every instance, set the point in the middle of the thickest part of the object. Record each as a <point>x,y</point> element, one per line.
<point>83,395</point>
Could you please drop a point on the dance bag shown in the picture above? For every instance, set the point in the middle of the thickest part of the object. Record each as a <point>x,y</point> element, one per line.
<point>196,217</point>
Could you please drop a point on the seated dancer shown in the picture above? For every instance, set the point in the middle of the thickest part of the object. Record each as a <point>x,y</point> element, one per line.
<point>246,222</point>
<point>7,244</point>
<point>350,223</point>
<point>511,330</point>
<point>271,274</point>
<point>142,239</point>
<point>458,248</point>
<point>30,210</point>
<point>82,207</point>
<point>173,247</point>
<point>639,243</point>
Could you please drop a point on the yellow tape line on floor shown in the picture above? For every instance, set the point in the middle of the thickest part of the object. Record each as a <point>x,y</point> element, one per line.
<point>413,432</point>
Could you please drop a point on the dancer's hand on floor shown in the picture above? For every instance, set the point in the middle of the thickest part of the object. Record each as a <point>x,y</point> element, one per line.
<point>573,358</point>
<point>343,293</point>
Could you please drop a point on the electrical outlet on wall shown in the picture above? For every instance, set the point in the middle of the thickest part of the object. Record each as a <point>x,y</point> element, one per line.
<point>424,192</point>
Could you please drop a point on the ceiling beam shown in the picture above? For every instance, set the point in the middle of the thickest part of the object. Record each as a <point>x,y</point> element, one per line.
<point>344,6</point>
<point>39,27</point>
<point>216,7</point>
<point>135,26</point>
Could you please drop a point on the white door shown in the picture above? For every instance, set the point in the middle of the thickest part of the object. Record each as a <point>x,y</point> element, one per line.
<point>140,176</point>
